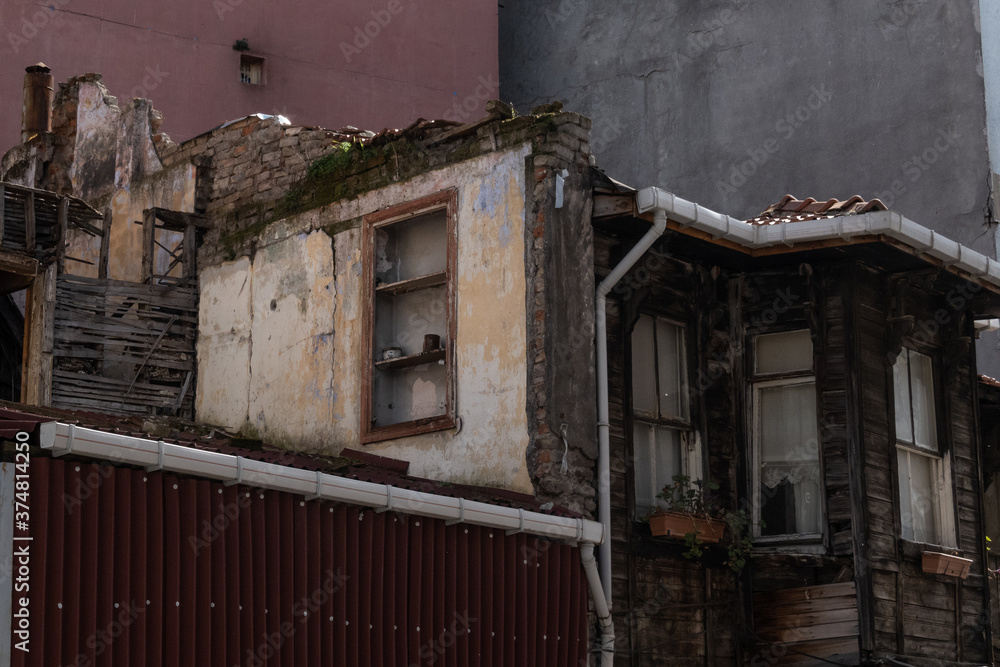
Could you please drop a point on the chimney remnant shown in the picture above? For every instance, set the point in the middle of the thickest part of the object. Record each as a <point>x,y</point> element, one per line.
<point>36,116</point>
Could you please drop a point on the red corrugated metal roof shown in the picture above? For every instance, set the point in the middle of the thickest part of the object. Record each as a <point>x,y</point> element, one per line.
<point>146,568</point>
<point>790,209</point>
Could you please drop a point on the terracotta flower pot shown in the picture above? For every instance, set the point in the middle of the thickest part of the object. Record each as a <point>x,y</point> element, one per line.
<point>946,564</point>
<point>678,524</point>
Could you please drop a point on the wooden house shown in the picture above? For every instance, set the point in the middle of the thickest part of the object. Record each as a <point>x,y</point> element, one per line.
<point>818,365</point>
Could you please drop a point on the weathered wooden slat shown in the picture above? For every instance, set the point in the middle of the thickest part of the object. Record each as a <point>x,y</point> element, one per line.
<point>78,353</point>
<point>804,593</point>
<point>129,330</point>
<point>3,208</point>
<point>84,379</point>
<point>148,240</point>
<point>29,223</point>
<point>190,251</point>
<point>112,287</point>
<point>103,257</point>
<point>841,651</point>
<point>813,632</point>
<point>62,234</point>
<point>819,617</point>
<point>805,607</point>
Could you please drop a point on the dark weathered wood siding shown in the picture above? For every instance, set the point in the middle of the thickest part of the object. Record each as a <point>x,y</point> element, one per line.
<point>670,608</point>
<point>918,614</point>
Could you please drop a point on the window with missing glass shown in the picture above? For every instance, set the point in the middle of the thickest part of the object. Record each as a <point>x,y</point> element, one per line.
<point>787,483</point>
<point>409,257</point>
<point>663,443</point>
<point>926,510</point>
<point>251,70</point>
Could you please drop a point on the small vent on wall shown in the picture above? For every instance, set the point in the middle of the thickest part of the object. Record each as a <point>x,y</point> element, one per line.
<point>251,70</point>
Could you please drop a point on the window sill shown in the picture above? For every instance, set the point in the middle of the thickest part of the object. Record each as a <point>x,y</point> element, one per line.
<point>406,429</point>
<point>790,544</point>
<point>915,550</point>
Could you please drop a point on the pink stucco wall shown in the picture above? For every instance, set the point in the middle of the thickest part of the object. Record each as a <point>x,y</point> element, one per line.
<point>425,57</point>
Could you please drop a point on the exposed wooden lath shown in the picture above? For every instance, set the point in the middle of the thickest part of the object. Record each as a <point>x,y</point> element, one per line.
<point>125,348</point>
<point>33,221</point>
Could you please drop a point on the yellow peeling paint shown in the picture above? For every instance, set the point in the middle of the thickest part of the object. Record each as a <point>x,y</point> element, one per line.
<point>305,362</point>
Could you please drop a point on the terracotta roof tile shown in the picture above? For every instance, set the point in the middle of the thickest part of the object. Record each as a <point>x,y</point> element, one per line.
<point>790,209</point>
<point>988,381</point>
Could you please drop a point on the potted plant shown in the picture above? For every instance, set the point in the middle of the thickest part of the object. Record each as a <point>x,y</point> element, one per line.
<point>694,516</point>
<point>689,512</point>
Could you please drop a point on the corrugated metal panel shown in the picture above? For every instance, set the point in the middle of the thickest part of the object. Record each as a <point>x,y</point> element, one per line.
<point>136,568</point>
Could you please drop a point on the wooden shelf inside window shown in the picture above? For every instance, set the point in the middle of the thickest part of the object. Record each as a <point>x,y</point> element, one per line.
<point>413,284</point>
<point>411,360</point>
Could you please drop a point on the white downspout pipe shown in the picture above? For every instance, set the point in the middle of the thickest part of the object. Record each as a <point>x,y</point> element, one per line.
<point>603,426</point>
<point>600,604</point>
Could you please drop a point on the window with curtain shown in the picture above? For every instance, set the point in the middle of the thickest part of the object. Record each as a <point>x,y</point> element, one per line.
<point>788,490</point>
<point>662,442</point>
<point>925,494</point>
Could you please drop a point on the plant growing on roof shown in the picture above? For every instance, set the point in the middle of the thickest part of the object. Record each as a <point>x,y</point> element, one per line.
<point>242,44</point>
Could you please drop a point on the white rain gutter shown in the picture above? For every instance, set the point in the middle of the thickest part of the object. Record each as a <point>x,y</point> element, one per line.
<point>845,227</point>
<point>62,439</point>
<point>603,425</point>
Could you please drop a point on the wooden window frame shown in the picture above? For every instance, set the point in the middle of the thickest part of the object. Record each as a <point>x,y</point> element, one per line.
<point>760,381</point>
<point>692,449</point>
<point>251,60</point>
<point>446,200</point>
<point>941,457</point>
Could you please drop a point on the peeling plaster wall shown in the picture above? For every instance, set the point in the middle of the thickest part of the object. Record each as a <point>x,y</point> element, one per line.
<point>106,155</point>
<point>292,317</point>
<point>115,161</point>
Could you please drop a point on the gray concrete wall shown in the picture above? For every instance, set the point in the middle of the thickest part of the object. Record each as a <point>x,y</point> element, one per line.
<point>734,103</point>
<point>990,22</point>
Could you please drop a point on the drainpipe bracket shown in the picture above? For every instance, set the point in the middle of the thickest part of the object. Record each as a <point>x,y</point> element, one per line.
<point>239,472</point>
<point>461,514</point>
<point>520,528</point>
<point>159,458</point>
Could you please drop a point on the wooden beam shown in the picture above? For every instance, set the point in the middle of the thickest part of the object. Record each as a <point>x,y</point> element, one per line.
<point>148,244</point>
<point>15,262</point>
<point>190,251</point>
<point>610,206</point>
<point>176,221</point>
<point>3,208</point>
<point>63,233</point>
<point>29,223</point>
<point>102,262</point>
